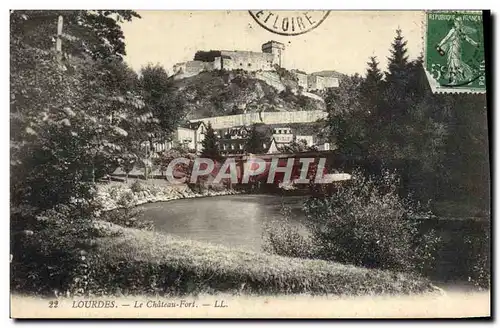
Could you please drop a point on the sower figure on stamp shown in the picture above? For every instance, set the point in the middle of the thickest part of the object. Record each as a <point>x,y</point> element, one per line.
<point>457,70</point>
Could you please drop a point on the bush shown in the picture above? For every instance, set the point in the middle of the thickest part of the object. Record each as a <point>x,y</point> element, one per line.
<point>128,217</point>
<point>364,223</point>
<point>49,256</point>
<point>137,186</point>
<point>282,237</point>
<point>115,191</point>
<point>479,260</point>
<point>126,199</point>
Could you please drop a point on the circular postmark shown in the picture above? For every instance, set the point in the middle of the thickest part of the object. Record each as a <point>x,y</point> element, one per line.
<point>289,22</point>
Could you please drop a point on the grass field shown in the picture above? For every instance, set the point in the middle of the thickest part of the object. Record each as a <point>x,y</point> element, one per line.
<point>145,262</point>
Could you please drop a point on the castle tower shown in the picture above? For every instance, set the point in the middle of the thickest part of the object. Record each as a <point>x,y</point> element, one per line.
<point>276,48</point>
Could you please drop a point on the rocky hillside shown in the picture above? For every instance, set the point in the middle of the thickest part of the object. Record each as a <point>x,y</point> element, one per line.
<point>218,93</point>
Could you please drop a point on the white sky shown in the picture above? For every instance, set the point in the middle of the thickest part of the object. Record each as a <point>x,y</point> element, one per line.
<point>343,42</point>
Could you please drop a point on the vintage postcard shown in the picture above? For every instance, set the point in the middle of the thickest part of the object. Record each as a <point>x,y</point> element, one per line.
<point>249,164</point>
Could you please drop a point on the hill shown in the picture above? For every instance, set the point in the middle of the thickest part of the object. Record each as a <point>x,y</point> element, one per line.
<point>218,93</point>
<point>327,73</point>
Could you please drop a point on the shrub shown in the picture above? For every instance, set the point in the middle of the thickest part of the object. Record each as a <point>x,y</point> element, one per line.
<point>128,217</point>
<point>364,223</point>
<point>479,260</point>
<point>49,256</point>
<point>126,199</point>
<point>114,192</point>
<point>137,186</point>
<point>282,237</point>
<point>128,213</point>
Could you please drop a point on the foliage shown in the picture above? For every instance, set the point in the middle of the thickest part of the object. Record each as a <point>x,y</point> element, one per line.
<point>398,60</point>
<point>374,75</point>
<point>128,215</point>
<point>94,33</point>
<point>344,108</point>
<point>210,144</point>
<point>283,237</point>
<point>295,147</point>
<point>62,130</point>
<point>479,253</point>
<point>255,141</point>
<point>217,93</point>
<point>49,249</point>
<point>157,92</point>
<point>438,142</point>
<point>72,118</point>
<point>364,223</point>
<point>137,186</point>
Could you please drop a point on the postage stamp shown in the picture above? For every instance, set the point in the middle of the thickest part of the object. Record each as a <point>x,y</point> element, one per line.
<point>454,54</point>
<point>236,164</point>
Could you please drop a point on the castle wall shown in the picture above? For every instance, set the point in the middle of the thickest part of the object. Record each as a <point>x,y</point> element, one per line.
<point>247,60</point>
<point>217,63</point>
<point>224,122</point>
<point>272,79</point>
<point>331,82</point>
<point>302,80</point>
<point>315,82</point>
<point>192,68</point>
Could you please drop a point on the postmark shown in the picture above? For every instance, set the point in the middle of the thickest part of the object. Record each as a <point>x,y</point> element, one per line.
<point>454,52</point>
<point>289,22</point>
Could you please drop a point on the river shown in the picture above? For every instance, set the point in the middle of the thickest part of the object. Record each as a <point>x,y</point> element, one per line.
<point>234,221</point>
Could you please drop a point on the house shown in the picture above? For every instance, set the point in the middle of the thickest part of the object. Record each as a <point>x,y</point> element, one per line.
<point>283,135</point>
<point>233,140</point>
<point>189,135</point>
<point>276,147</point>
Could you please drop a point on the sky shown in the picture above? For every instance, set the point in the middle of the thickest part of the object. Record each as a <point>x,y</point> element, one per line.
<point>343,42</point>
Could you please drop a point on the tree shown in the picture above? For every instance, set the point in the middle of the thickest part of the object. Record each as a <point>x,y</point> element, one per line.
<point>255,141</point>
<point>157,91</point>
<point>210,144</point>
<point>295,147</point>
<point>94,33</point>
<point>346,116</point>
<point>65,124</point>
<point>398,61</point>
<point>374,75</point>
<point>71,120</point>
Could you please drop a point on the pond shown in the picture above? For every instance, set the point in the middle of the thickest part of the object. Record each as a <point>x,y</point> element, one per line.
<point>234,221</point>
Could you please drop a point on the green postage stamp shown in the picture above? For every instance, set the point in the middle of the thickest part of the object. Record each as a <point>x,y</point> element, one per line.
<point>454,51</point>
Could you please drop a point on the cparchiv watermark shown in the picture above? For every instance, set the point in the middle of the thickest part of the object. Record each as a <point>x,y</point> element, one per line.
<point>283,170</point>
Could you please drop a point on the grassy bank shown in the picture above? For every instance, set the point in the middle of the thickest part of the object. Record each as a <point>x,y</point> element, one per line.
<point>139,262</point>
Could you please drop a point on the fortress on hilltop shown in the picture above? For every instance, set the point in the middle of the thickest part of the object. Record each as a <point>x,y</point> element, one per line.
<point>250,61</point>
